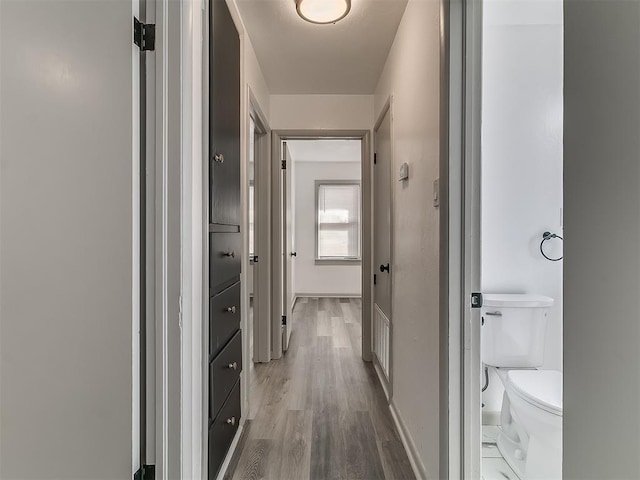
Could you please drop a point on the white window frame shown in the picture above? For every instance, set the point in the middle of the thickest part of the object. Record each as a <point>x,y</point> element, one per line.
<point>338,260</point>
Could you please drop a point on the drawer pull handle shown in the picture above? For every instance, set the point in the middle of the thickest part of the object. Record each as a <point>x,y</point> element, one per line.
<point>231,421</point>
<point>231,309</point>
<point>218,158</point>
<point>233,366</point>
<point>231,254</point>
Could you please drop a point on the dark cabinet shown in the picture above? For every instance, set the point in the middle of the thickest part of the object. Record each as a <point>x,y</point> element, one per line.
<point>222,430</point>
<point>224,260</point>
<point>224,318</point>
<point>224,371</point>
<point>224,138</point>
<point>225,239</point>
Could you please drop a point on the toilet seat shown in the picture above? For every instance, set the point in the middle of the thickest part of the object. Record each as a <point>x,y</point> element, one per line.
<point>541,388</point>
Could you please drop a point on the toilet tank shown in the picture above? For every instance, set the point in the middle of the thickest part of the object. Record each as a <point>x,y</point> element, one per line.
<point>513,329</point>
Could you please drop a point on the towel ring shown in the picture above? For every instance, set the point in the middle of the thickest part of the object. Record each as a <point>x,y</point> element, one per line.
<point>548,236</point>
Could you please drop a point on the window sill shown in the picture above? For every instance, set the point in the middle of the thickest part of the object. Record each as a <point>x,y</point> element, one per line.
<point>338,261</point>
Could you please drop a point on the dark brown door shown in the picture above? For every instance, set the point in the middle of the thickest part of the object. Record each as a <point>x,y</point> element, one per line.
<point>225,247</point>
<point>224,147</point>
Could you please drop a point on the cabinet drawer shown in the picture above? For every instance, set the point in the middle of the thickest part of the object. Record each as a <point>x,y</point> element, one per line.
<point>224,371</point>
<point>224,318</point>
<point>225,252</point>
<point>222,431</point>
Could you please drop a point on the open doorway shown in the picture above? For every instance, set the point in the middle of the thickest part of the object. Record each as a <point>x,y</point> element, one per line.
<point>320,230</point>
<point>259,230</point>
<point>513,347</point>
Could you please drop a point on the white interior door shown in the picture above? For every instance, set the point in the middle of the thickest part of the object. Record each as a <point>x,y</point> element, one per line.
<point>287,246</point>
<point>383,270</point>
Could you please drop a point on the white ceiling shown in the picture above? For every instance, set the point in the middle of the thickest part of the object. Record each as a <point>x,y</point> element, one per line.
<point>325,150</point>
<point>298,57</point>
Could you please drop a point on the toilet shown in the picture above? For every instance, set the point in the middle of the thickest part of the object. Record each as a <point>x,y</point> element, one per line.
<point>512,344</point>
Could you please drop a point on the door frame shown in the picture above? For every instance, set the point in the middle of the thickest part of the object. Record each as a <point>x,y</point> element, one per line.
<point>387,383</point>
<point>262,235</point>
<point>365,136</point>
<point>287,245</point>
<point>461,61</point>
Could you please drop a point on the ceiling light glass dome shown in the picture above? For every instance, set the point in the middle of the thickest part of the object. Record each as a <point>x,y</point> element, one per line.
<point>323,11</point>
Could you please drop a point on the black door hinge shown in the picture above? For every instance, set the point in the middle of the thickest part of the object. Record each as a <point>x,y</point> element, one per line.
<point>375,158</point>
<point>144,35</point>
<point>375,278</point>
<point>284,165</point>
<point>145,472</point>
<point>476,300</point>
<point>255,259</point>
<point>284,319</point>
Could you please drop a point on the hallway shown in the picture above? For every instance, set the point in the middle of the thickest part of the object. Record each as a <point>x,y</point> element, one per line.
<point>320,412</point>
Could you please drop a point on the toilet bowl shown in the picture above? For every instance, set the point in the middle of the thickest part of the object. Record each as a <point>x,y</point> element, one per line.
<point>512,342</point>
<point>531,436</point>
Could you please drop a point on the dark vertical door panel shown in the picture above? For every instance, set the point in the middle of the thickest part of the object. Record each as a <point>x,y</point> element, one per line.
<point>225,240</point>
<point>225,117</point>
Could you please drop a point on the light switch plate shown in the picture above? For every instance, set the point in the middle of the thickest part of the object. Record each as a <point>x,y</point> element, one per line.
<point>436,192</point>
<point>404,171</point>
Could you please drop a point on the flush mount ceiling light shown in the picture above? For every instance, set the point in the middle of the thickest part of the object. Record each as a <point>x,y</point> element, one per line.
<point>323,11</point>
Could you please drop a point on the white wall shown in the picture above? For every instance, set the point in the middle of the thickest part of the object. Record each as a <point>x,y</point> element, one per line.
<point>325,279</point>
<point>522,160</point>
<point>254,78</point>
<point>334,112</point>
<point>412,75</point>
<point>602,226</point>
<point>66,244</point>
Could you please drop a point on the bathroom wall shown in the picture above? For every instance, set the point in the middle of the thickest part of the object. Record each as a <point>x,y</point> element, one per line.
<point>522,160</point>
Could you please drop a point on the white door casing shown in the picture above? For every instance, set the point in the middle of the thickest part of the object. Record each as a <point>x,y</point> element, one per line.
<point>287,246</point>
<point>382,238</point>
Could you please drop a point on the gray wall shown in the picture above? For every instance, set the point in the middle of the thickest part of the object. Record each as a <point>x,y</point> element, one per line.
<point>66,239</point>
<point>602,247</point>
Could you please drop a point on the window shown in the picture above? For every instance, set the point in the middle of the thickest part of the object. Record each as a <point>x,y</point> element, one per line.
<point>337,220</point>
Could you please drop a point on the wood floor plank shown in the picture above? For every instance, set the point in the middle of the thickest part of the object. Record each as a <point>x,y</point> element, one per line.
<point>296,462</point>
<point>328,459</point>
<point>349,313</point>
<point>324,324</point>
<point>395,461</point>
<point>363,460</point>
<point>339,332</point>
<point>255,460</point>
<point>320,411</point>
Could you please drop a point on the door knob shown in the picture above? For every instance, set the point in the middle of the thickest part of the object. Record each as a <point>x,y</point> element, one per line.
<point>384,267</point>
<point>218,158</point>
<point>233,366</point>
<point>231,421</point>
<point>231,309</point>
<point>294,254</point>
<point>230,254</point>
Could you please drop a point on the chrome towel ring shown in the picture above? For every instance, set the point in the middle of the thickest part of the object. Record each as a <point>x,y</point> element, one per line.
<point>548,236</point>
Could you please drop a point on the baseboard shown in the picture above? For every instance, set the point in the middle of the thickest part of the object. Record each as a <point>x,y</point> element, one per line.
<point>381,377</point>
<point>417,466</point>
<point>328,295</point>
<point>230,453</point>
<point>491,418</point>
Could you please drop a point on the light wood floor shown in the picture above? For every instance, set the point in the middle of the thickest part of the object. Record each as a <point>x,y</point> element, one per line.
<point>319,412</point>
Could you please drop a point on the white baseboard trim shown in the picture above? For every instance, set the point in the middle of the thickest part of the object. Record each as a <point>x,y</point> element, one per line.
<point>328,295</point>
<point>230,453</point>
<point>417,466</point>
<point>491,418</point>
<point>381,377</point>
